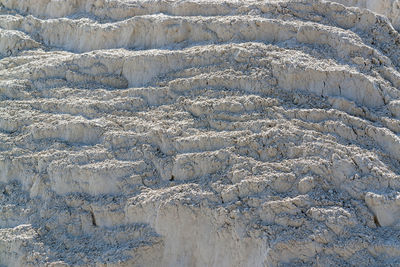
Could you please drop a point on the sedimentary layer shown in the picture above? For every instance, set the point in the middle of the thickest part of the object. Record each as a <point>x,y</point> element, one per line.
<point>199,133</point>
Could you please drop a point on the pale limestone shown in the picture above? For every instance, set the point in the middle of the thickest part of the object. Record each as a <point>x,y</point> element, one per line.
<point>199,133</point>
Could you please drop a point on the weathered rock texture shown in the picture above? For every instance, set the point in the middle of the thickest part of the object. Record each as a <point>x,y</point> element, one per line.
<point>388,8</point>
<point>199,133</point>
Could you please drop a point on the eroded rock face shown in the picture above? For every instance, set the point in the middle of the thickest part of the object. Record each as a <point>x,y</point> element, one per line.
<point>388,8</point>
<point>199,133</point>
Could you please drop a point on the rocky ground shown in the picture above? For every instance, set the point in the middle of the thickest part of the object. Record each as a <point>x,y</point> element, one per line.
<point>199,133</point>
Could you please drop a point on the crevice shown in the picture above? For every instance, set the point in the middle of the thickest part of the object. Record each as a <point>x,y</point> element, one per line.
<point>93,219</point>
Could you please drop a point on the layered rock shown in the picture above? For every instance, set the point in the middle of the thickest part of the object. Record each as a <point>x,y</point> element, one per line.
<point>198,133</point>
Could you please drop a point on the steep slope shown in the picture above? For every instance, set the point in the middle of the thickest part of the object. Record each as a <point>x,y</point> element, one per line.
<point>198,133</point>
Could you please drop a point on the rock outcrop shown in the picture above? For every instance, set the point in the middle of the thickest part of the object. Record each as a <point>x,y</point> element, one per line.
<point>199,133</point>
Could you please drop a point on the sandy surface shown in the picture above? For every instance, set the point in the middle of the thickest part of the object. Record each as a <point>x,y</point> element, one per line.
<point>199,133</point>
